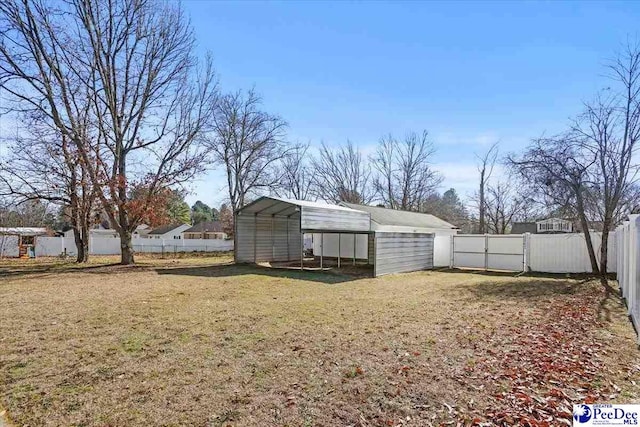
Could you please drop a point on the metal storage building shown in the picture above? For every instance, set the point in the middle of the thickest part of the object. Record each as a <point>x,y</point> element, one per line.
<point>393,220</point>
<point>272,229</point>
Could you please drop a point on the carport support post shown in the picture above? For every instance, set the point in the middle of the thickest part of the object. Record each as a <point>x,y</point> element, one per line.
<point>255,238</point>
<point>321,248</point>
<point>339,241</point>
<point>301,250</point>
<point>354,249</point>
<point>288,242</point>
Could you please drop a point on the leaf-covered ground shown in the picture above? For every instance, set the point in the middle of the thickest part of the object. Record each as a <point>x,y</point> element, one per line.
<point>194,342</point>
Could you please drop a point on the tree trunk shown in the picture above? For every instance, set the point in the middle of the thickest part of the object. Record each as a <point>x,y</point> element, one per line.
<point>81,255</point>
<point>81,237</point>
<point>587,235</point>
<point>86,235</point>
<point>592,253</point>
<point>126,248</point>
<point>604,252</point>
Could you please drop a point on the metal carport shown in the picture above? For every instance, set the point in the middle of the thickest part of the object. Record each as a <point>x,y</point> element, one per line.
<point>272,229</point>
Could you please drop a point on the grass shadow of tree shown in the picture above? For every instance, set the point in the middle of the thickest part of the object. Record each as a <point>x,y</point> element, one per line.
<point>525,289</point>
<point>229,270</point>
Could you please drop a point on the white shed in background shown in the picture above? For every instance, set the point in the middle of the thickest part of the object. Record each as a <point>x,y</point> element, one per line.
<point>394,221</point>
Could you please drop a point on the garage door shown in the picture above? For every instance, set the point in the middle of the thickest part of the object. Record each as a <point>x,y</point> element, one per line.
<point>402,252</point>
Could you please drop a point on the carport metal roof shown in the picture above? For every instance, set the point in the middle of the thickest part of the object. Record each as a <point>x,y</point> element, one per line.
<point>395,217</point>
<point>314,216</point>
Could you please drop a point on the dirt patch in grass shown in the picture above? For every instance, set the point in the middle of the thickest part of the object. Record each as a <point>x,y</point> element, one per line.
<point>197,342</point>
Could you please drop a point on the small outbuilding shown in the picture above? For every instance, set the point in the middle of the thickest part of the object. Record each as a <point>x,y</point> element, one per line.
<point>20,241</point>
<point>272,230</point>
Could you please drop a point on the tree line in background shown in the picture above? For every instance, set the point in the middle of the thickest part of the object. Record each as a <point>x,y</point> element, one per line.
<point>116,115</point>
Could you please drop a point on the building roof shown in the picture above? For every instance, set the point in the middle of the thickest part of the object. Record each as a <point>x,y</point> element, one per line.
<point>314,216</point>
<point>270,204</point>
<point>23,231</point>
<point>165,229</point>
<point>523,227</point>
<point>386,216</point>
<point>206,227</point>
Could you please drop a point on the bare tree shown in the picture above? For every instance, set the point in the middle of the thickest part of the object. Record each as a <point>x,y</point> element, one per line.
<point>503,205</point>
<point>250,143</point>
<point>44,165</point>
<point>558,168</point>
<point>149,102</point>
<point>591,167</point>
<point>342,175</point>
<point>404,177</point>
<point>486,163</point>
<point>296,179</point>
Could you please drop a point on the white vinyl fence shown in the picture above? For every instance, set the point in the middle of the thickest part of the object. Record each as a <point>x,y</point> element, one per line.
<point>55,246</point>
<point>628,263</point>
<point>544,253</point>
<point>567,253</point>
<point>489,252</point>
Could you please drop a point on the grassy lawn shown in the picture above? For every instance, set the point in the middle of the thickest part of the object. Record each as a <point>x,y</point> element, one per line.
<point>197,341</point>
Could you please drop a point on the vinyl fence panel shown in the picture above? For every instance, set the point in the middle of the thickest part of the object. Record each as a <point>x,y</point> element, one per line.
<point>329,245</point>
<point>628,240</point>
<point>469,251</point>
<point>506,252</point>
<point>442,250</point>
<point>56,246</point>
<point>567,253</point>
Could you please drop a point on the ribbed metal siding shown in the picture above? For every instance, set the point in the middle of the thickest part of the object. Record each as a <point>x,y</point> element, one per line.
<point>402,252</point>
<point>244,238</point>
<point>265,238</point>
<point>371,249</point>
<point>320,219</point>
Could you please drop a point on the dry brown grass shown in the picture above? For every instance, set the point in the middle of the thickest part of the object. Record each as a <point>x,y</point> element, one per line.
<point>197,342</point>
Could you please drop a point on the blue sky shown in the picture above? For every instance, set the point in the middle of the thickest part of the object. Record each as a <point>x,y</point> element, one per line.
<point>470,73</point>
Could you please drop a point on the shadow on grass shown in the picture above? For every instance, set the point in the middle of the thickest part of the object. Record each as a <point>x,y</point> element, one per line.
<point>530,274</point>
<point>39,271</point>
<point>533,289</point>
<point>229,270</point>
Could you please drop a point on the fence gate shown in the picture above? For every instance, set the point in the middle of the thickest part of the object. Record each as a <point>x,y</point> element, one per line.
<point>489,251</point>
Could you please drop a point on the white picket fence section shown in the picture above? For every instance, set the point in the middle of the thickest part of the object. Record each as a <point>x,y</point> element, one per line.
<point>55,246</point>
<point>628,240</point>
<point>544,253</point>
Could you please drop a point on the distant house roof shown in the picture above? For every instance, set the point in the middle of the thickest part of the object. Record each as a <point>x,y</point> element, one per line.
<point>23,231</point>
<point>386,216</point>
<point>523,227</point>
<point>165,229</point>
<point>206,227</point>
